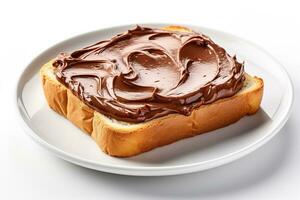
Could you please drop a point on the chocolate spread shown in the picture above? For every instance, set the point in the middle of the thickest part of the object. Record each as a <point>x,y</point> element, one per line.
<point>148,73</point>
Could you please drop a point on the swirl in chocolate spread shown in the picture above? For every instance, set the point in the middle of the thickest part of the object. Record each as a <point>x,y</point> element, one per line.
<point>147,73</point>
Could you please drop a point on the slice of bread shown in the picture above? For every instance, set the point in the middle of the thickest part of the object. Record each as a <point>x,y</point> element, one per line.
<point>123,139</point>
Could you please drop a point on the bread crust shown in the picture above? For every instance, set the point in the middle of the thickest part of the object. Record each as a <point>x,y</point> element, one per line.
<point>123,139</point>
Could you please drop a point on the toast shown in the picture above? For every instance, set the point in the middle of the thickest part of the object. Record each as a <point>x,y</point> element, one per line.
<point>124,139</point>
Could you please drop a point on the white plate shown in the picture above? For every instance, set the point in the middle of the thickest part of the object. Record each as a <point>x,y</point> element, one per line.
<point>194,154</point>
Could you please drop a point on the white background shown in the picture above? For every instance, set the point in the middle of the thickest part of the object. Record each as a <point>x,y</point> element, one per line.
<point>29,172</point>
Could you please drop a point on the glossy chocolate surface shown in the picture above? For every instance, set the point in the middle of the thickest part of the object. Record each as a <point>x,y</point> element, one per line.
<point>147,73</point>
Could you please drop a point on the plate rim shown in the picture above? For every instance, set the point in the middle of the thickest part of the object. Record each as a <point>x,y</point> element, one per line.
<point>148,170</point>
